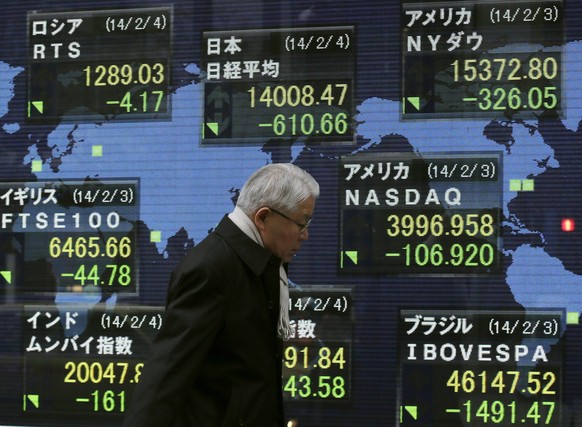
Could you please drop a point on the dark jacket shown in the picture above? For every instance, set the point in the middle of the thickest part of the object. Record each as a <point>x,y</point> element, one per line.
<point>216,362</point>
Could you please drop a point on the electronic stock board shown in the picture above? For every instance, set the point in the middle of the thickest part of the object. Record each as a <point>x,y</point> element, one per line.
<point>440,285</point>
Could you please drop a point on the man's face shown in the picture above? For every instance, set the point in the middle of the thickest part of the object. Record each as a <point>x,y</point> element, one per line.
<point>280,231</point>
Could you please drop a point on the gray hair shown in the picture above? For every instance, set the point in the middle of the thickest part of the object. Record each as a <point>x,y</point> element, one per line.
<point>279,186</point>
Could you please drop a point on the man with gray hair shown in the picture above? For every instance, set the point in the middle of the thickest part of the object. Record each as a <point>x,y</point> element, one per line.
<point>217,360</point>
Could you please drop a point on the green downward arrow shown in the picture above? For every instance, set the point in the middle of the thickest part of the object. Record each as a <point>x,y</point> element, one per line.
<point>415,101</point>
<point>353,255</point>
<point>7,276</point>
<point>213,127</point>
<point>34,399</point>
<point>413,411</point>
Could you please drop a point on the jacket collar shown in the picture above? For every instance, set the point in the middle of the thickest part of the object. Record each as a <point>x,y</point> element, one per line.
<point>252,254</point>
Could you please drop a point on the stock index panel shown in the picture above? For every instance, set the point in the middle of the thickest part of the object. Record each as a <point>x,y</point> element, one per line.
<point>441,282</point>
<point>98,64</point>
<point>291,83</point>
<point>456,63</point>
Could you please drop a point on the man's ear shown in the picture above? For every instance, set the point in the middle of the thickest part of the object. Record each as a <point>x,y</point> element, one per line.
<point>260,218</point>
